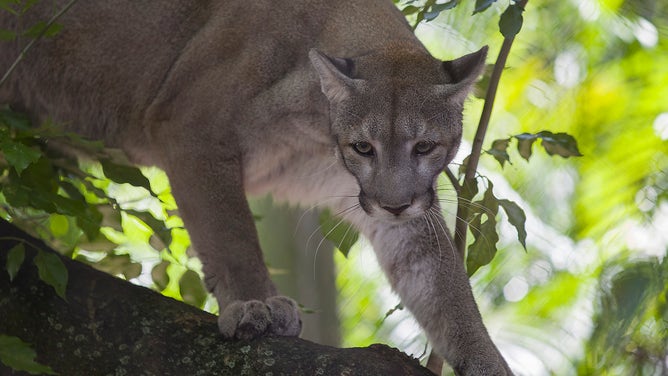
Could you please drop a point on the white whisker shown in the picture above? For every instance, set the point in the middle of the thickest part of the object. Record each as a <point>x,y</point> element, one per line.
<point>316,205</point>
<point>340,221</point>
<point>340,214</point>
<point>438,242</point>
<point>440,220</point>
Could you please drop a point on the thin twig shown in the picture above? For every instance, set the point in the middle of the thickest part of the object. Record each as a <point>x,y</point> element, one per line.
<point>461,225</point>
<point>34,40</point>
<point>453,179</point>
<point>434,362</point>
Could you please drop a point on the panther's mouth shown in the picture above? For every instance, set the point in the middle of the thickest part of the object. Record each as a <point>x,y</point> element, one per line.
<point>397,210</point>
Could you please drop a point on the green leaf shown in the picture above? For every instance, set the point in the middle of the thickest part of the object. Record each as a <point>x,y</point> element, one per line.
<point>517,218</point>
<point>67,206</point>
<point>561,144</point>
<point>52,271</point>
<point>88,217</point>
<point>429,16</point>
<point>431,10</point>
<point>14,195</point>
<point>192,289</point>
<point>445,6</point>
<point>125,174</point>
<point>462,167</point>
<point>483,249</point>
<point>99,193</point>
<point>627,297</point>
<point>511,21</point>
<point>59,225</point>
<point>90,222</point>
<point>489,204</point>
<point>159,228</point>
<point>39,176</point>
<point>418,19</point>
<point>19,356</point>
<point>338,231</point>
<point>411,9</point>
<point>19,155</point>
<point>72,191</point>
<point>482,5</point>
<point>469,189</point>
<point>7,35</point>
<point>15,259</point>
<point>27,4</point>
<point>499,151</point>
<point>6,5</point>
<point>16,120</point>
<point>630,288</point>
<point>42,29</point>
<point>36,187</point>
<point>524,143</point>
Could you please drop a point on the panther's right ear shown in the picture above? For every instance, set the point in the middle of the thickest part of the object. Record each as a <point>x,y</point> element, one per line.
<point>463,73</point>
<point>334,73</point>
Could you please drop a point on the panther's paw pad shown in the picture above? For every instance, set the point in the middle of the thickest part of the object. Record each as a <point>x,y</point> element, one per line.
<point>253,318</point>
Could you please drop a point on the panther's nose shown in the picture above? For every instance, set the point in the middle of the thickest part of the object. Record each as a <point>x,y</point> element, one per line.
<point>396,210</point>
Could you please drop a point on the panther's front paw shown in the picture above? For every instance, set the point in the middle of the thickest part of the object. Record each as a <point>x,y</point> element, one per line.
<point>250,319</point>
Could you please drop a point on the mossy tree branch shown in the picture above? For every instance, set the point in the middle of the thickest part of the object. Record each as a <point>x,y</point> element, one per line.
<point>108,326</point>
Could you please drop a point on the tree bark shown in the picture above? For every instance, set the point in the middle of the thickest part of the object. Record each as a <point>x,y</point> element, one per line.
<point>108,326</point>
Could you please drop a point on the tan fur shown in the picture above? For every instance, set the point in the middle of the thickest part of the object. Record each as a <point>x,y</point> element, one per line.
<point>235,97</point>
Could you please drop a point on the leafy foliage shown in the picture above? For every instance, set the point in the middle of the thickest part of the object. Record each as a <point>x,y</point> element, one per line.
<point>517,219</point>
<point>73,203</point>
<point>511,20</point>
<point>21,357</point>
<point>483,249</point>
<point>15,258</point>
<point>482,5</point>
<point>52,271</point>
<point>631,320</point>
<point>482,219</point>
<point>19,8</point>
<point>560,144</point>
<point>426,10</point>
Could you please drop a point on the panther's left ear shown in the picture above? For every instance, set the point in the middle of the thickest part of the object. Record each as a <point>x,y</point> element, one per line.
<point>463,72</point>
<point>334,73</point>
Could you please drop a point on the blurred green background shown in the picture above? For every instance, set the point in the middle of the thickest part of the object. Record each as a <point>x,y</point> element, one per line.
<point>588,297</point>
<point>589,294</point>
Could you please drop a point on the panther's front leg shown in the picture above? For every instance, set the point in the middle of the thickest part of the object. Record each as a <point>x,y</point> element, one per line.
<point>206,180</point>
<point>423,267</point>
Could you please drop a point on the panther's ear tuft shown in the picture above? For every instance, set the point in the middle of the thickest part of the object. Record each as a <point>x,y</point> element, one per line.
<point>463,72</point>
<point>334,74</point>
<point>466,68</point>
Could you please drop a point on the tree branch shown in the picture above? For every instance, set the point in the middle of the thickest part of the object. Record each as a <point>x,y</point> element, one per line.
<point>110,326</point>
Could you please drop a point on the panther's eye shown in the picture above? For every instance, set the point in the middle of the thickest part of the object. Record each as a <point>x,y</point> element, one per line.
<point>363,148</point>
<point>424,147</point>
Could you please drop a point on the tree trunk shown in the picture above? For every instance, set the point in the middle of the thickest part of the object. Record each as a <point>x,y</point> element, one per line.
<point>108,326</point>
